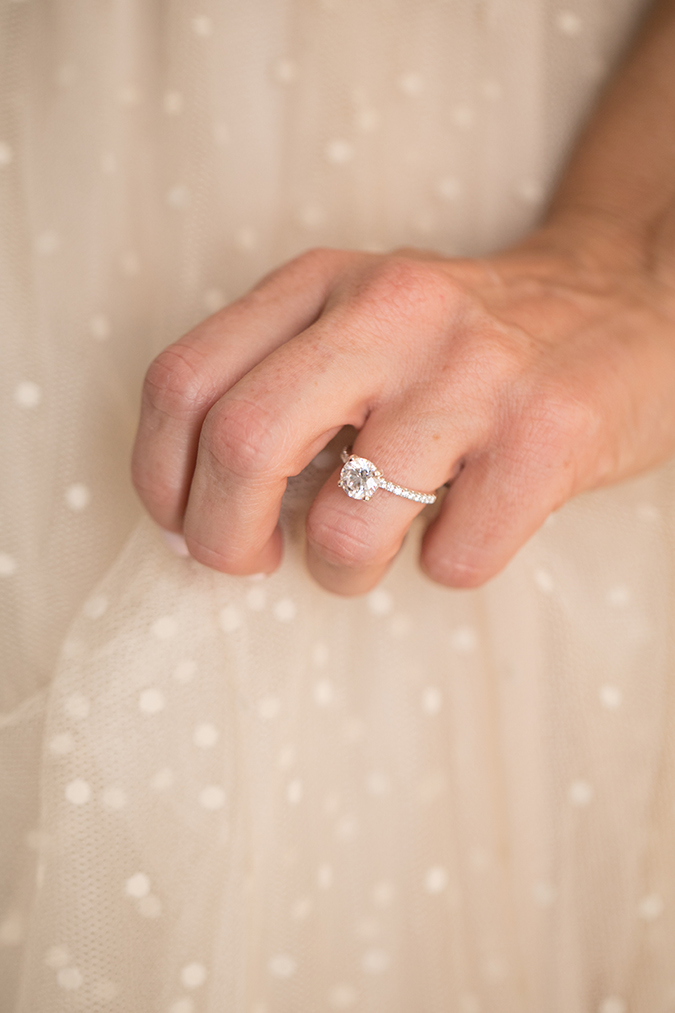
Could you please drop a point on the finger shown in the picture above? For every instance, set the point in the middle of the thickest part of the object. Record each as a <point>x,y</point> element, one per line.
<point>189,376</point>
<point>267,427</point>
<point>493,507</point>
<point>350,542</point>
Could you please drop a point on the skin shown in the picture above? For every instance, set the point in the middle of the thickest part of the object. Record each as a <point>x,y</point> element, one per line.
<point>522,379</point>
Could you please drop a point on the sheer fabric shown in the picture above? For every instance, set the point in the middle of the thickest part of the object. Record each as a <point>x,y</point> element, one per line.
<point>247,795</point>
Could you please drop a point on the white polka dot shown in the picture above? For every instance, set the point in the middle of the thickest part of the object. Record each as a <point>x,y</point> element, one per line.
<point>246,238</point>
<point>612,1004</point>
<point>544,581</point>
<point>28,394</point>
<point>151,701</point>
<point>285,610</point>
<point>6,154</point>
<point>432,700</point>
<point>193,975</point>
<point>581,793</point>
<point>436,879</point>
<point>100,327</point>
<point>105,990</point>
<point>448,188</point>
<point>78,496</point>
<point>342,996</point>
<point>221,134</point>
<point>462,116</point>
<point>324,693</point>
<point>320,655</point>
<point>7,565</point>
<point>12,929</point>
<point>61,744</point>
<point>137,886</point>
<point>256,598</point>
<point>286,757</point>
<point>464,640</point>
<point>285,71</point>
<point>214,300</point>
<point>185,671</point>
<point>108,163</point>
<point>618,596</point>
<point>282,965</point>
<point>378,783</point>
<point>347,828</point>
<point>311,216</point>
<point>610,696</point>
<point>164,628</point>
<point>70,978</point>
<point>178,197</point>
<point>375,961</point>
<point>469,1003</point>
<point>568,23</point>
<point>212,797</point>
<point>47,243</point>
<point>173,103</point>
<point>410,84</point>
<point>230,618</point>
<point>76,705</point>
<point>202,26</point>
<point>301,908</point>
<point>56,957</point>
<point>129,95</point>
<point>294,791</point>
<point>339,151</point>
<point>367,119</point>
<point>324,876</point>
<point>184,1005</point>
<point>269,707</point>
<point>383,893</point>
<point>114,798</point>
<point>650,907</point>
<point>205,736</point>
<point>163,779</point>
<point>95,606</point>
<point>544,893</point>
<point>380,602</point>
<point>530,191</point>
<point>150,906</point>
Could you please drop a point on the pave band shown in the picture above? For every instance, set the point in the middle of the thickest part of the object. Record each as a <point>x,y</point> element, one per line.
<point>360,479</point>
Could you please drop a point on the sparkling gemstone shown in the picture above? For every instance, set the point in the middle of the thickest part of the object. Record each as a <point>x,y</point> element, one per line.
<point>359,478</point>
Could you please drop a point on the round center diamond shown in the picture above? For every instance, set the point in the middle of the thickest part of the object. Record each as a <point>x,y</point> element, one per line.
<point>359,478</point>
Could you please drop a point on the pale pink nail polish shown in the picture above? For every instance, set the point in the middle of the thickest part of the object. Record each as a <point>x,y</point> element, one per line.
<point>176,543</point>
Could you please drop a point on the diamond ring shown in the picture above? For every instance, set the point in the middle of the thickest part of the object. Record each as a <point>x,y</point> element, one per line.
<point>360,479</point>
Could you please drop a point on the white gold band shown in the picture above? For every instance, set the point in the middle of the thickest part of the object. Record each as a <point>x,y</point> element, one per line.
<point>360,478</point>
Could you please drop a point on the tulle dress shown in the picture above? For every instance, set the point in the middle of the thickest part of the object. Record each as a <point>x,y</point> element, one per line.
<point>240,795</point>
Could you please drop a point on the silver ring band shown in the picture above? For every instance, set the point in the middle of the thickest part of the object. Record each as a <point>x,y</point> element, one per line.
<point>360,479</point>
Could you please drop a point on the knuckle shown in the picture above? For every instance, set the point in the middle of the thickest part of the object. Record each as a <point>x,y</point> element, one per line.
<point>244,439</point>
<point>342,540</point>
<point>408,286</point>
<point>176,383</point>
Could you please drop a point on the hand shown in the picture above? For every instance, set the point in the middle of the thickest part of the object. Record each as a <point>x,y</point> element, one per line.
<point>523,379</point>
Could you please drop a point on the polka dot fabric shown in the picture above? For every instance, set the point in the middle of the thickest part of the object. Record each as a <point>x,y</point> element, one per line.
<point>245,794</point>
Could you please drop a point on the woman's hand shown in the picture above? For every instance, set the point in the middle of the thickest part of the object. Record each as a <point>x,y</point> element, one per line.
<point>522,379</point>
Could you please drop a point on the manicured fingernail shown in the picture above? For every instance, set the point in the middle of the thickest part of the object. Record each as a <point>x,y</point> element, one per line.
<point>176,543</point>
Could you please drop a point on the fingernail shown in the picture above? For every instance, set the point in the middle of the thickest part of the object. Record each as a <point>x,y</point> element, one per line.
<point>176,543</point>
